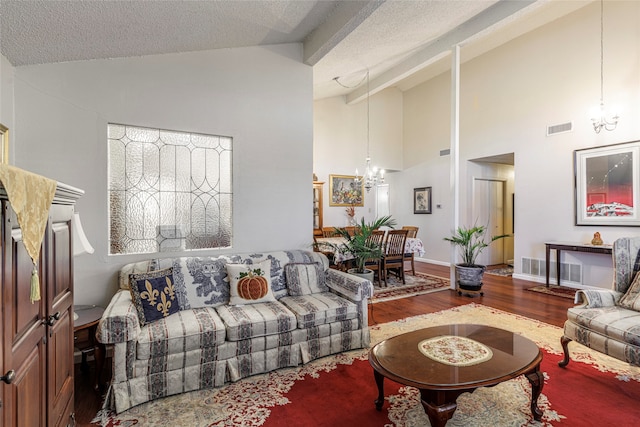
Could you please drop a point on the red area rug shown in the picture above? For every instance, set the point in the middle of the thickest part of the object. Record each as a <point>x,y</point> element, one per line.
<point>593,390</point>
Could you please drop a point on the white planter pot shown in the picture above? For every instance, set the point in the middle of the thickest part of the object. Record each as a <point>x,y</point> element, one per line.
<point>368,274</point>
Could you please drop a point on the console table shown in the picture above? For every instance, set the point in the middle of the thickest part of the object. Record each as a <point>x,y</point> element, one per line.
<point>574,247</point>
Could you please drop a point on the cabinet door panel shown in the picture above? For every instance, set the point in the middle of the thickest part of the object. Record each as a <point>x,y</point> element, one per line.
<point>23,333</point>
<point>60,297</point>
<point>26,388</point>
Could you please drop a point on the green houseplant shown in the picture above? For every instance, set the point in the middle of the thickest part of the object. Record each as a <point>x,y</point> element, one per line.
<point>471,241</point>
<point>359,244</point>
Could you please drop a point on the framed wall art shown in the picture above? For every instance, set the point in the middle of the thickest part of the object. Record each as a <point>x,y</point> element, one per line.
<point>345,191</point>
<point>4,144</point>
<point>422,200</point>
<point>607,185</point>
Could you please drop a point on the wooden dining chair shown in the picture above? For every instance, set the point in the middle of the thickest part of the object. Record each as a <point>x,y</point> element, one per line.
<point>412,234</point>
<point>329,232</point>
<point>393,258</point>
<point>412,231</point>
<point>377,238</point>
<point>351,229</point>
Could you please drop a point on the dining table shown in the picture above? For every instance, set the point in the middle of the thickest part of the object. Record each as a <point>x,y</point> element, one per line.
<point>331,244</point>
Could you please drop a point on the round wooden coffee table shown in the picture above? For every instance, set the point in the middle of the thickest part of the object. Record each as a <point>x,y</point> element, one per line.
<point>502,356</point>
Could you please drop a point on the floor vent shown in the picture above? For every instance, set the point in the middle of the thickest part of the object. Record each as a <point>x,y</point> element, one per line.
<point>537,267</point>
<point>561,128</point>
<point>445,152</point>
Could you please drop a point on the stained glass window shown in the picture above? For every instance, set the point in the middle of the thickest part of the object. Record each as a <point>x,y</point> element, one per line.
<point>168,190</point>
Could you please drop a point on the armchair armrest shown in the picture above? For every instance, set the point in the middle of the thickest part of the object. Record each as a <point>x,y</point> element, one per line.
<point>349,286</point>
<point>597,298</point>
<point>119,322</point>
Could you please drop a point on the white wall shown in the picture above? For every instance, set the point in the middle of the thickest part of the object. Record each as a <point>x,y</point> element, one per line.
<point>551,76</point>
<point>260,96</point>
<point>508,98</point>
<point>340,144</point>
<point>6,99</point>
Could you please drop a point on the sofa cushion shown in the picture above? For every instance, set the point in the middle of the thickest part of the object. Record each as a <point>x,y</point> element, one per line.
<point>317,309</point>
<point>250,283</point>
<point>615,322</point>
<point>153,294</point>
<point>305,278</point>
<point>187,330</point>
<point>631,299</point>
<point>256,320</point>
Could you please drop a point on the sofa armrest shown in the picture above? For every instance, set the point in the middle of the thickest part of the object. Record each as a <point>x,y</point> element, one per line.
<point>349,286</point>
<point>597,298</point>
<point>119,322</point>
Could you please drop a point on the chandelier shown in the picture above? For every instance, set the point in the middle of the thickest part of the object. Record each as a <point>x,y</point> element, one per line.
<point>600,119</point>
<point>372,176</point>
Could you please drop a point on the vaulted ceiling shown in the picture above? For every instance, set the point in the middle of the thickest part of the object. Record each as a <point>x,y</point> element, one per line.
<point>400,42</point>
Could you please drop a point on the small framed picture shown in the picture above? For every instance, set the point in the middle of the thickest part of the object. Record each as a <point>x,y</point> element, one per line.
<point>422,200</point>
<point>344,190</point>
<point>4,144</point>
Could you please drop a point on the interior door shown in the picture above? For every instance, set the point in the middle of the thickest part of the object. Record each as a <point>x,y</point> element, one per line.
<point>382,200</point>
<point>488,210</point>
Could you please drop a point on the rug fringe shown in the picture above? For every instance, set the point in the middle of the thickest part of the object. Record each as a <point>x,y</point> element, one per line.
<point>102,417</point>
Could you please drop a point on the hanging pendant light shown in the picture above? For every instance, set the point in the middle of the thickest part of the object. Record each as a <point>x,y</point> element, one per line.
<point>601,118</point>
<point>372,175</point>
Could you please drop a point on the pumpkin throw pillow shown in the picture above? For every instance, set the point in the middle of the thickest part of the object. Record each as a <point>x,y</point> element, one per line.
<point>250,283</point>
<point>305,278</point>
<point>631,299</point>
<point>153,294</point>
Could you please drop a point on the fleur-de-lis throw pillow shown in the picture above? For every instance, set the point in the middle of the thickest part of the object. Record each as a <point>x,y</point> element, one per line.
<point>153,294</point>
<point>250,283</point>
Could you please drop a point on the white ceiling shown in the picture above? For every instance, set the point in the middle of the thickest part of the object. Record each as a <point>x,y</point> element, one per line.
<point>400,42</point>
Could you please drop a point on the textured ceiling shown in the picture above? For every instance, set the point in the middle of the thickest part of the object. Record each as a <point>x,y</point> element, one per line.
<point>398,41</point>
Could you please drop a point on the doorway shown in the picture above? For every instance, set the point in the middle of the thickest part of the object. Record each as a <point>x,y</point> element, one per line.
<point>493,204</point>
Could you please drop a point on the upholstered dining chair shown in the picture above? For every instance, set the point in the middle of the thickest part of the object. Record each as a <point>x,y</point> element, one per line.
<point>412,233</point>
<point>374,264</point>
<point>393,258</point>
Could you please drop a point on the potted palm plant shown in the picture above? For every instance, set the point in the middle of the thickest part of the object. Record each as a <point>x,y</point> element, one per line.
<point>360,246</point>
<point>471,242</point>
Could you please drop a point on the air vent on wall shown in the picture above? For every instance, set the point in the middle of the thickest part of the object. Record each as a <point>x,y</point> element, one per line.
<point>561,128</point>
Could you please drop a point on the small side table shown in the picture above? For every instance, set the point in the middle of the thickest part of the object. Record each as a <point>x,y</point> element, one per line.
<point>84,330</point>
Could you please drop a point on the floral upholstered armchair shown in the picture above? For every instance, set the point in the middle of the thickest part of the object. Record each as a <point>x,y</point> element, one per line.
<point>608,320</point>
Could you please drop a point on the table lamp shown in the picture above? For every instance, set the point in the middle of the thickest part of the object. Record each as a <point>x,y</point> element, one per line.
<point>81,244</point>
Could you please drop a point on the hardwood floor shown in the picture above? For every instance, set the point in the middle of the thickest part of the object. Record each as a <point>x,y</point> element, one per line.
<point>503,293</point>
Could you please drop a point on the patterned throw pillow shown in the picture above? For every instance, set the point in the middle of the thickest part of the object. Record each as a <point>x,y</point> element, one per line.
<point>305,278</point>
<point>154,295</point>
<point>250,283</point>
<point>631,299</point>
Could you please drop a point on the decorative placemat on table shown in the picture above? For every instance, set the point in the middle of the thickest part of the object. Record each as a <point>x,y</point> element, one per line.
<point>455,351</point>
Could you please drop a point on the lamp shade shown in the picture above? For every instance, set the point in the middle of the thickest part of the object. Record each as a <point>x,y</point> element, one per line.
<point>81,244</point>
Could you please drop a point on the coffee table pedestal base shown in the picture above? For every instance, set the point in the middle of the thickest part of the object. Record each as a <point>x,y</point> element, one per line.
<point>440,405</point>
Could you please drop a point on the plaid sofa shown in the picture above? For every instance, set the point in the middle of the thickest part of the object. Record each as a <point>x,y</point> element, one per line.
<point>599,322</point>
<point>211,343</point>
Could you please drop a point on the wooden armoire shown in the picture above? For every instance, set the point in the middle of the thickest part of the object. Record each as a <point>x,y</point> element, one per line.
<point>36,355</point>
